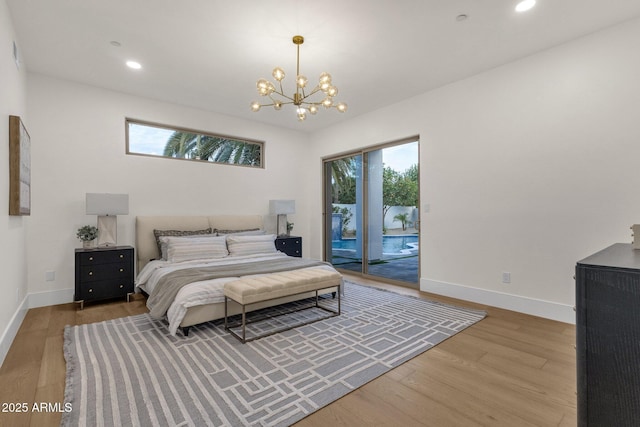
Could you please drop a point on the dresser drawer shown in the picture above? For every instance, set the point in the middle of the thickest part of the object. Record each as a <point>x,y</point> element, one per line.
<point>97,272</point>
<point>104,257</point>
<point>103,289</point>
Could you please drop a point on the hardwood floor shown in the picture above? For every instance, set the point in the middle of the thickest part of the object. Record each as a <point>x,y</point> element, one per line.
<point>510,369</point>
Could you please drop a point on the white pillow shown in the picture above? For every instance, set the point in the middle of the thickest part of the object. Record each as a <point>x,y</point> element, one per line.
<point>180,249</point>
<point>163,241</point>
<point>250,245</point>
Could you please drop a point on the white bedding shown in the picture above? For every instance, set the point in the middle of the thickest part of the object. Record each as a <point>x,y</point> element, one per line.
<point>197,293</point>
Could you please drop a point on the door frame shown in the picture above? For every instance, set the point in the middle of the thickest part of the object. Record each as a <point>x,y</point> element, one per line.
<point>327,217</point>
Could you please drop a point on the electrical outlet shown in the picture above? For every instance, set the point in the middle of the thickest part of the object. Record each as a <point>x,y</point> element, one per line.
<point>50,276</point>
<point>506,277</point>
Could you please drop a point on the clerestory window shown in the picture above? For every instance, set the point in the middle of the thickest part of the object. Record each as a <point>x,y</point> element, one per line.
<point>152,139</point>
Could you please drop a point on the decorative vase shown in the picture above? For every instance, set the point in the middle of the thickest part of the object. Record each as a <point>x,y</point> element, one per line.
<point>89,244</point>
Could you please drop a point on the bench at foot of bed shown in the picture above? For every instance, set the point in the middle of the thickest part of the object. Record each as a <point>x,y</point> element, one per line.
<point>255,289</point>
<point>185,329</point>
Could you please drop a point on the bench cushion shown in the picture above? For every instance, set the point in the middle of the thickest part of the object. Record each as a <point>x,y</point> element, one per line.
<point>252,289</point>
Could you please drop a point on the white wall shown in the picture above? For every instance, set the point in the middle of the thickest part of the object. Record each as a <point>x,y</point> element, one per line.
<point>78,146</point>
<point>13,285</point>
<point>527,168</point>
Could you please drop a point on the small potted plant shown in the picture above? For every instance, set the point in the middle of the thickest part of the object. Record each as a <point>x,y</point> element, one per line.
<point>88,235</point>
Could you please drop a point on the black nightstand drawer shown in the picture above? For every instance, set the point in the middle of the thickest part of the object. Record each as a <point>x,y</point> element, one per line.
<point>104,289</point>
<point>291,246</point>
<point>104,273</point>
<point>97,256</point>
<point>97,272</point>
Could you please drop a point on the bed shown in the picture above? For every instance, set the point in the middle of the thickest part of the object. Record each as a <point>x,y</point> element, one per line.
<point>189,290</point>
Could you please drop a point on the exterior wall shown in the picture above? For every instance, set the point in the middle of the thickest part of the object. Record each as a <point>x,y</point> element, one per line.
<point>389,222</point>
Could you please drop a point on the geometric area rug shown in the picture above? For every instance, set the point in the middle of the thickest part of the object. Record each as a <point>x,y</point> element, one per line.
<point>132,372</point>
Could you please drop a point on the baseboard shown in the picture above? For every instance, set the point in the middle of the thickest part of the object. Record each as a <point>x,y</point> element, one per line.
<point>32,300</point>
<point>535,307</point>
<point>12,328</point>
<point>43,299</point>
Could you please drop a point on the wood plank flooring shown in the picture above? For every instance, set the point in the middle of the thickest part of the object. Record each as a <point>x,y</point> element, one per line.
<point>509,369</point>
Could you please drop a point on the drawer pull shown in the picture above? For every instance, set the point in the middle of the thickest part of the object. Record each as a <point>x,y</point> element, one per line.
<point>121,256</point>
<point>90,290</point>
<point>90,258</point>
<point>121,286</point>
<point>91,273</point>
<point>121,270</point>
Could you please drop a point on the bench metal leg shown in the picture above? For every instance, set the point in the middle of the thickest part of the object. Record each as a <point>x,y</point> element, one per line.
<point>226,300</point>
<point>228,327</point>
<point>244,323</point>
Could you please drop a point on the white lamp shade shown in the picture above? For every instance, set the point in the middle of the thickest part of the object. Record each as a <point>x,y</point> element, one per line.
<point>282,207</point>
<point>107,204</point>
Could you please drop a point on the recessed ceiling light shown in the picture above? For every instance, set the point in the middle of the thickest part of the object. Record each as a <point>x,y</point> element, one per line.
<point>115,43</point>
<point>461,17</point>
<point>525,5</point>
<point>133,64</point>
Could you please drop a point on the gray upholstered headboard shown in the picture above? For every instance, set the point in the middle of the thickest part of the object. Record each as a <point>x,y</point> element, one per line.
<point>146,247</point>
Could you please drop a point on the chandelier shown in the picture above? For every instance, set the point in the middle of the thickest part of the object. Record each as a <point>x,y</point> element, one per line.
<point>306,102</point>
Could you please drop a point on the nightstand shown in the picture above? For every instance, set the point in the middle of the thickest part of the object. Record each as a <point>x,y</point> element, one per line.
<point>103,273</point>
<point>290,245</point>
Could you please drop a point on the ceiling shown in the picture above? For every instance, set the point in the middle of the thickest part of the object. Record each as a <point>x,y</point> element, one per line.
<point>208,54</point>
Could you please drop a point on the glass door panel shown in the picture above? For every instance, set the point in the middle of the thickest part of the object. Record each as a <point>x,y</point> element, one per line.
<point>371,212</point>
<point>392,213</point>
<point>343,210</point>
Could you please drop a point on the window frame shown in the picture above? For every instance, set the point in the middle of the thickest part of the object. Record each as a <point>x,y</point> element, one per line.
<point>129,121</point>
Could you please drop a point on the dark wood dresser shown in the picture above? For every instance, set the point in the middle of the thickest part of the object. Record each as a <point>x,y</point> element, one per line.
<point>291,245</point>
<point>608,337</point>
<point>104,273</point>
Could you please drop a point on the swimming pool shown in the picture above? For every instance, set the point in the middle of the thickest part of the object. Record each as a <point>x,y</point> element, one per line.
<point>390,244</point>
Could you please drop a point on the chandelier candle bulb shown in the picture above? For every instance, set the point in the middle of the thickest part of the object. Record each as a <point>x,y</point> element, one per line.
<point>301,81</point>
<point>278,73</point>
<point>303,100</point>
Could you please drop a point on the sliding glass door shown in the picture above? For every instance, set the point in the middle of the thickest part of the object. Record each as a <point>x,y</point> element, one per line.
<point>371,211</point>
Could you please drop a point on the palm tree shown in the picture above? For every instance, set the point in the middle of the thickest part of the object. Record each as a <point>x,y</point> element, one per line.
<point>343,172</point>
<point>180,145</point>
<point>403,218</point>
<point>233,152</point>
<point>187,145</point>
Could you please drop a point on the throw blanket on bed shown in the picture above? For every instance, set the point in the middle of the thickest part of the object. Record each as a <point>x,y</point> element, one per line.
<point>168,286</point>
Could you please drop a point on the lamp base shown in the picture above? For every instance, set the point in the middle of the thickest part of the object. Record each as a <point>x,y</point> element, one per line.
<point>281,225</point>
<point>107,230</point>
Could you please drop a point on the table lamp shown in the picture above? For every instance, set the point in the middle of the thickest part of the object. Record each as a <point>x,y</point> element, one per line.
<point>281,208</point>
<point>107,206</point>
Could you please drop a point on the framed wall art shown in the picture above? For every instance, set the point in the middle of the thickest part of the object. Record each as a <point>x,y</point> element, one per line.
<point>19,168</point>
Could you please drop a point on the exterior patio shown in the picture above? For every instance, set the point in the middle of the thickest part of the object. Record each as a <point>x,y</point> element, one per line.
<point>401,265</point>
